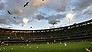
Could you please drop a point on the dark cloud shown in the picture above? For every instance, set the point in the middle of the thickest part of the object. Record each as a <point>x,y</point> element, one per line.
<point>78,4</point>
<point>83,4</point>
<point>2,6</point>
<point>58,5</point>
<point>53,20</point>
<point>88,10</point>
<point>4,20</point>
<point>39,17</point>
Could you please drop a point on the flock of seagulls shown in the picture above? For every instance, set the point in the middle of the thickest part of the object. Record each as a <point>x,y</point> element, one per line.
<point>25,5</point>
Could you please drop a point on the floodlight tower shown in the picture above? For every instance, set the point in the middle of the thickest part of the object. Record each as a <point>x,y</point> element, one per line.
<point>69,16</point>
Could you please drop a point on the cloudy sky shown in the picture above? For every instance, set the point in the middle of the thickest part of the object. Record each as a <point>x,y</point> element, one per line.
<point>42,14</point>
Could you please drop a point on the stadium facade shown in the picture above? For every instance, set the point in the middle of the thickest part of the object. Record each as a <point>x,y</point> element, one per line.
<point>72,32</point>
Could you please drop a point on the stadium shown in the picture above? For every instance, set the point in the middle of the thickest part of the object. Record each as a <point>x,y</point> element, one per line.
<point>46,37</point>
<point>78,34</point>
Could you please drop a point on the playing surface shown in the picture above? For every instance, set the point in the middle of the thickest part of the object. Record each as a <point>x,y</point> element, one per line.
<point>56,47</point>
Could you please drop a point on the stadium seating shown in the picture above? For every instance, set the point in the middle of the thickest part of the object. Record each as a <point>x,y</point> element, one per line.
<point>73,32</point>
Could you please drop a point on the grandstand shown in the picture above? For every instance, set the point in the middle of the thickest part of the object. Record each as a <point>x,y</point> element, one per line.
<point>73,38</point>
<point>80,31</point>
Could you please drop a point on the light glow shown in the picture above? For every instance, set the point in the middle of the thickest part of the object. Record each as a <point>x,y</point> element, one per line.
<point>70,15</point>
<point>25,20</point>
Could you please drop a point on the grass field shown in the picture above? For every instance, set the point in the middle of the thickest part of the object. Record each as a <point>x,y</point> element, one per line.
<point>56,47</point>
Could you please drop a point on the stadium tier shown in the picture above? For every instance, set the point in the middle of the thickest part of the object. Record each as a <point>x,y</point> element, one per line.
<point>73,32</point>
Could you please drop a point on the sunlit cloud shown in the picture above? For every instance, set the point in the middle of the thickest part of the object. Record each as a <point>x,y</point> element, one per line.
<point>44,12</point>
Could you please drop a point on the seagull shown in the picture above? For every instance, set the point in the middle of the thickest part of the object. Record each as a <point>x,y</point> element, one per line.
<point>60,43</point>
<point>9,12</point>
<point>87,50</point>
<point>47,42</point>
<point>42,0</point>
<point>29,47</point>
<point>3,48</point>
<point>65,44</point>
<point>37,47</point>
<point>14,17</point>
<point>30,27</point>
<point>0,49</point>
<point>21,46</point>
<point>54,23</point>
<point>12,48</point>
<point>26,4</point>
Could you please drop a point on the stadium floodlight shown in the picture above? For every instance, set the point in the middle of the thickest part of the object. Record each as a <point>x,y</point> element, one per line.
<point>69,16</point>
<point>25,20</point>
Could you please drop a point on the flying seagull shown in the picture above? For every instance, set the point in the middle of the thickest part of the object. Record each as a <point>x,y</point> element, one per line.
<point>14,17</point>
<point>54,23</point>
<point>30,27</point>
<point>9,12</point>
<point>42,0</point>
<point>26,4</point>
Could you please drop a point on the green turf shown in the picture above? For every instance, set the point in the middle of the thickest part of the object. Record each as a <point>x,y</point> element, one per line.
<point>56,47</point>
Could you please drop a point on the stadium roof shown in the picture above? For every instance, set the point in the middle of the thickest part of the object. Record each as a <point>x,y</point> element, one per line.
<point>43,14</point>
